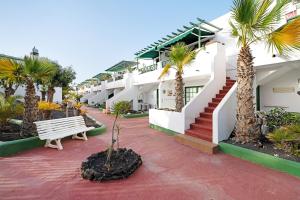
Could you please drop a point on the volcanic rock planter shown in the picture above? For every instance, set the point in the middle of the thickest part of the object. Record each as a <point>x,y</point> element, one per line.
<point>123,163</point>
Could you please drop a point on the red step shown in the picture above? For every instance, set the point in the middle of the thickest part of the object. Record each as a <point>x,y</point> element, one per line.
<point>230,81</point>
<point>201,120</point>
<point>196,126</point>
<point>226,88</point>
<point>220,96</point>
<point>223,91</point>
<point>204,135</point>
<point>217,100</point>
<point>206,115</point>
<point>209,109</point>
<point>213,104</point>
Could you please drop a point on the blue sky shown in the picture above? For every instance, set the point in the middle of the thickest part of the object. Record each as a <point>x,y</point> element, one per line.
<point>92,35</point>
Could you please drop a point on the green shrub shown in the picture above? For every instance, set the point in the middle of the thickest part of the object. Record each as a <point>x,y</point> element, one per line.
<point>278,117</point>
<point>103,106</point>
<point>121,107</point>
<point>9,108</point>
<point>287,138</point>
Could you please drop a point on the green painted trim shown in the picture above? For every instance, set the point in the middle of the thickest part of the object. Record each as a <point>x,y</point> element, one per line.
<point>283,165</point>
<point>162,129</point>
<point>12,147</point>
<point>135,115</point>
<point>97,131</point>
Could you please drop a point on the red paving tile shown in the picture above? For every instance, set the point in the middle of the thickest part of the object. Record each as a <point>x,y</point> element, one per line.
<point>169,171</point>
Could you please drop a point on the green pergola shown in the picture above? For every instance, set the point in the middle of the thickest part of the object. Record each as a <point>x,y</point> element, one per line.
<point>121,66</point>
<point>102,76</point>
<point>194,33</point>
<point>88,82</point>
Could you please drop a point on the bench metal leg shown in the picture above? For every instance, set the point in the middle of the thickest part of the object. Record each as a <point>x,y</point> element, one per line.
<point>58,144</point>
<point>83,137</point>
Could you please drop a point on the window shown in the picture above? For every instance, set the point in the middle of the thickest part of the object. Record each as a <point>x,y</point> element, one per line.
<point>191,92</point>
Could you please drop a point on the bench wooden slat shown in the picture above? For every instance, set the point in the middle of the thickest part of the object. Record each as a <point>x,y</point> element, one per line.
<point>74,129</point>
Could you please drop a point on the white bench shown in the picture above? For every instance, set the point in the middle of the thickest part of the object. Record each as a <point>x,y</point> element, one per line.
<point>56,129</point>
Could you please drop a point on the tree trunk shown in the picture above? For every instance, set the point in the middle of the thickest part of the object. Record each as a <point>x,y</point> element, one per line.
<point>30,110</point>
<point>9,91</point>
<point>246,121</point>
<point>50,94</point>
<point>179,92</point>
<point>111,148</point>
<point>43,95</point>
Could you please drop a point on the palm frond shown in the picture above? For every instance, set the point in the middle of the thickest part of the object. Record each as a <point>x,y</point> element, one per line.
<point>10,70</point>
<point>180,55</point>
<point>268,18</point>
<point>252,20</point>
<point>39,69</point>
<point>165,70</point>
<point>243,11</point>
<point>190,55</point>
<point>286,38</point>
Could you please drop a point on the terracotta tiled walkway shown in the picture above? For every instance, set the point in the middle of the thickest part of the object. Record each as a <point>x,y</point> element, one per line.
<point>170,171</point>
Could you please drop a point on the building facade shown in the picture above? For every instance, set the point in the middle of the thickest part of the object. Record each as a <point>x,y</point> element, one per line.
<point>209,88</point>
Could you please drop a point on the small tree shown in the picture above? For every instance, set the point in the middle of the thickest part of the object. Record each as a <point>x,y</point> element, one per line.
<point>180,56</point>
<point>121,107</point>
<point>9,108</point>
<point>62,78</point>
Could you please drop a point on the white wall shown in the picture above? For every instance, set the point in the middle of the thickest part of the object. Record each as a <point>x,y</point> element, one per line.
<point>224,116</point>
<point>56,98</point>
<point>166,86</point>
<point>289,100</point>
<point>167,119</point>
<point>262,55</point>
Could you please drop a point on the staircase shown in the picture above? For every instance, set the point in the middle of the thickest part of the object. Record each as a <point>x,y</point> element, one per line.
<point>200,133</point>
<point>202,128</point>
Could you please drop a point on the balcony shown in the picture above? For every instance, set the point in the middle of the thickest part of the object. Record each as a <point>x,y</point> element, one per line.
<point>115,84</point>
<point>146,69</point>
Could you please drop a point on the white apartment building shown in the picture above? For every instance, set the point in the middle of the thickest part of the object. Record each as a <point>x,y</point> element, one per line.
<point>209,86</point>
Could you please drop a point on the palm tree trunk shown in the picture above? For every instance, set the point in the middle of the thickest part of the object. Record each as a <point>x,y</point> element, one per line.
<point>43,95</point>
<point>246,121</point>
<point>9,91</point>
<point>50,94</point>
<point>30,110</point>
<point>179,92</point>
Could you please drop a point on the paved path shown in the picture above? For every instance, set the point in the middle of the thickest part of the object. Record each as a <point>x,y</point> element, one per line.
<point>169,171</point>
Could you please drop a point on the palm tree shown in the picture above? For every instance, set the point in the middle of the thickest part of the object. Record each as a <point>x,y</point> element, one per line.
<point>30,71</point>
<point>254,21</point>
<point>10,81</point>
<point>180,55</point>
<point>35,70</point>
